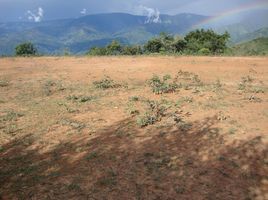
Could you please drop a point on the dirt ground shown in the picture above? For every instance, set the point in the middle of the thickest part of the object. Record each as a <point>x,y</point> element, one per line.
<point>63,135</point>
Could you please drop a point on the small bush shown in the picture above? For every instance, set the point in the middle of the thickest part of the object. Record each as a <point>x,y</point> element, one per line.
<point>162,86</point>
<point>25,49</point>
<point>91,156</point>
<point>245,83</point>
<point>106,83</point>
<point>146,119</point>
<point>187,80</point>
<point>134,98</point>
<point>217,86</point>
<point>154,112</point>
<point>81,99</point>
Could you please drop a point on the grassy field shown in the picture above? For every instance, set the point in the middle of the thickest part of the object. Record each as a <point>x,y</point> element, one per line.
<point>134,128</point>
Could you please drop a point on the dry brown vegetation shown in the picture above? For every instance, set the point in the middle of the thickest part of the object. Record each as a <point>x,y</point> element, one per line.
<point>108,128</point>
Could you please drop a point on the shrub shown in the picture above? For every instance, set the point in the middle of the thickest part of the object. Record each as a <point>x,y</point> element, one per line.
<point>154,112</point>
<point>187,80</point>
<point>114,48</point>
<point>245,83</point>
<point>81,99</point>
<point>134,98</point>
<point>25,49</point>
<point>162,86</point>
<point>106,83</point>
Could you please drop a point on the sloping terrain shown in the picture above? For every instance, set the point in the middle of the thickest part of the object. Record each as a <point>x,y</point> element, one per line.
<point>257,46</point>
<point>109,128</point>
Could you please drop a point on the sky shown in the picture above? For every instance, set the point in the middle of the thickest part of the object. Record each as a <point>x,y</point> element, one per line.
<point>41,10</point>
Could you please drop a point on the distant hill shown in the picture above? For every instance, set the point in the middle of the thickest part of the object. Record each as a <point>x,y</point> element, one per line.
<point>263,32</point>
<point>257,46</point>
<point>243,32</point>
<point>78,35</point>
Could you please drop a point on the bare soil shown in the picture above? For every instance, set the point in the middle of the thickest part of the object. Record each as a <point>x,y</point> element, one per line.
<point>63,138</point>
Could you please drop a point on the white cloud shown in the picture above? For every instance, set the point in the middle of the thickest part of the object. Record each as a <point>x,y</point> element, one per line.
<point>153,15</point>
<point>35,16</point>
<point>83,11</point>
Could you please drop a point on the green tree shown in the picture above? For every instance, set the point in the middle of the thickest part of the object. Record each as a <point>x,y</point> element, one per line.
<point>153,46</point>
<point>97,51</point>
<point>132,50</point>
<point>208,39</point>
<point>179,45</point>
<point>25,49</point>
<point>114,48</point>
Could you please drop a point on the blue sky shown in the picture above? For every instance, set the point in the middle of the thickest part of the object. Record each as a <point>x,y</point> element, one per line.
<point>38,10</point>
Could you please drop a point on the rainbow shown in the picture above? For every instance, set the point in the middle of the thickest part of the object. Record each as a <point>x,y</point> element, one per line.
<point>257,5</point>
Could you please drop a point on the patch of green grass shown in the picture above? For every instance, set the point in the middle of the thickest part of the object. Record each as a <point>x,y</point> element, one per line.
<point>258,90</point>
<point>146,119</point>
<point>74,124</point>
<point>92,156</point>
<point>132,110</point>
<point>11,116</point>
<point>11,129</point>
<point>4,83</point>
<point>1,149</point>
<point>134,98</point>
<point>232,131</point>
<point>2,101</point>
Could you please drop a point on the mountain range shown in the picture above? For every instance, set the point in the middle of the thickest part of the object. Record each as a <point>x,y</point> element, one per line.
<point>79,34</point>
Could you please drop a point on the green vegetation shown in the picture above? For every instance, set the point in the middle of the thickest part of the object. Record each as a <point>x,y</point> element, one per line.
<point>162,86</point>
<point>198,42</point>
<point>3,83</point>
<point>106,83</point>
<point>115,48</point>
<point>154,112</point>
<point>26,49</point>
<point>252,48</point>
<point>188,80</point>
<point>206,42</point>
<point>80,99</point>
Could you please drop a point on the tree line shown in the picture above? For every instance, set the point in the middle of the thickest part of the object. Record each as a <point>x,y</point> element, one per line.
<point>198,42</point>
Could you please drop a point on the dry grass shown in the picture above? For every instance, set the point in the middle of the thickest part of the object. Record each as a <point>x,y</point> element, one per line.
<point>68,133</point>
